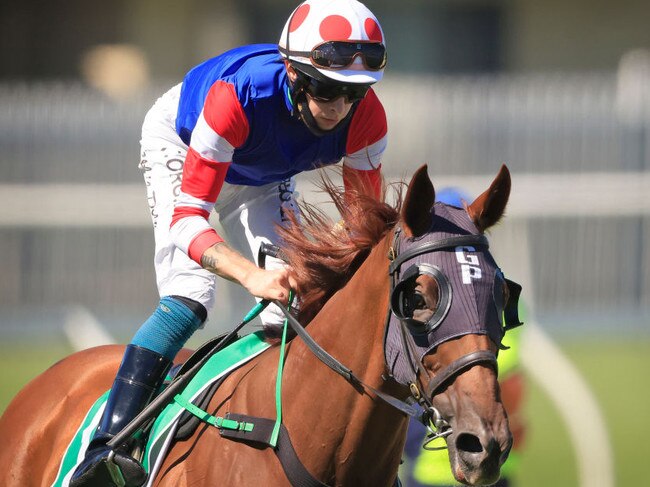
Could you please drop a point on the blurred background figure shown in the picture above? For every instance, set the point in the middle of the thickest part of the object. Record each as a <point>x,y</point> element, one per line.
<point>431,468</point>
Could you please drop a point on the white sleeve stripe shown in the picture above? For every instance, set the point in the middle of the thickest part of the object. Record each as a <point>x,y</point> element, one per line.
<point>186,229</point>
<point>209,144</point>
<point>367,158</point>
<point>185,199</point>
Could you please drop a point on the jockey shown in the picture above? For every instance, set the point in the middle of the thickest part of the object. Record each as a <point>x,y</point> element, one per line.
<point>232,136</point>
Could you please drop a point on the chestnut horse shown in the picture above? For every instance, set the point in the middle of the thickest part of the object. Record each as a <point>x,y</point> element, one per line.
<point>419,323</point>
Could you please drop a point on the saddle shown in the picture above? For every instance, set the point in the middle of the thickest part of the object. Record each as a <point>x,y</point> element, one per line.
<point>180,418</point>
<point>188,422</point>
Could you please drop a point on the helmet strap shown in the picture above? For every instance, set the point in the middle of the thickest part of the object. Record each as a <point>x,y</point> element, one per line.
<point>297,91</point>
<point>301,109</point>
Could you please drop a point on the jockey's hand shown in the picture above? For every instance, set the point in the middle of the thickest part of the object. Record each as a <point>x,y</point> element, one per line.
<point>270,283</point>
<point>262,283</point>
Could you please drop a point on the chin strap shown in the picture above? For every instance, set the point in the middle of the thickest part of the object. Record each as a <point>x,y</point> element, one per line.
<point>306,116</point>
<point>301,110</point>
<point>304,113</point>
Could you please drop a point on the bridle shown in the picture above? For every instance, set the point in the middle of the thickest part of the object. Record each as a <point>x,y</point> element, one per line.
<point>424,393</point>
<point>430,415</point>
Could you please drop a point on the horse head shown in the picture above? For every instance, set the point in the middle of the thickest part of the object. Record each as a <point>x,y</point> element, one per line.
<point>445,327</point>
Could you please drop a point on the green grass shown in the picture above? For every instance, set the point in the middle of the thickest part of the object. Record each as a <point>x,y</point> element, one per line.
<point>547,458</point>
<point>21,362</point>
<point>618,374</point>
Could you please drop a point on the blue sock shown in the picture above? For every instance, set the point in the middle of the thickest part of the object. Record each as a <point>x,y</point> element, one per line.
<point>168,328</point>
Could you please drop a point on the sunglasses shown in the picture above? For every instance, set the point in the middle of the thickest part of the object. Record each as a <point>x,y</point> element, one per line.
<point>341,54</point>
<point>326,92</point>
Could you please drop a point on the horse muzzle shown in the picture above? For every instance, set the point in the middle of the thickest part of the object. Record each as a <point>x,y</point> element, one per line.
<point>478,448</point>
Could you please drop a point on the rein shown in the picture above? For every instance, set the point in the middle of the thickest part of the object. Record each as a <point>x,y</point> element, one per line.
<point>179,383</point>
<point>430,416</point>
<point>341,369</point>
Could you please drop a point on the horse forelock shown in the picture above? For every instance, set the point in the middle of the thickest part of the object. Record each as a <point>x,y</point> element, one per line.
<point>324,255</point>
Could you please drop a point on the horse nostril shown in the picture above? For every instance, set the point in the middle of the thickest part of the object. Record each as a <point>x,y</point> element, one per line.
<point>469,443</point>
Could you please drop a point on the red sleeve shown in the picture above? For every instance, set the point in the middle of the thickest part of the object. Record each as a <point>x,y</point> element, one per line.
<point>221,127</point>
<point>203,178</point>
<point>368,124</point>
<point>202,242</point>
<point>224,114</point>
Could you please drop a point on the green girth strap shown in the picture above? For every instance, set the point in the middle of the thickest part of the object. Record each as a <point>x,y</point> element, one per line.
<point>278,381</point>
<point>228,424</point>
<point>216,421</point>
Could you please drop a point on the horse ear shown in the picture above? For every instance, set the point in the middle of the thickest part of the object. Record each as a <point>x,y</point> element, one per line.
<point>490,206</point>
<point>416,210</point>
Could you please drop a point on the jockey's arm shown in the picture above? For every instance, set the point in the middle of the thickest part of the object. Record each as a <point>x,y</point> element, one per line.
<point>365,181</point>
<point>229,264</point>
<point>221,127</point>
<point>365,146</point>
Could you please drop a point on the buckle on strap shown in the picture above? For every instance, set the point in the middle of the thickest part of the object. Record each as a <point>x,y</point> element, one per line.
<point>216,421</point>
<point>114,470</point>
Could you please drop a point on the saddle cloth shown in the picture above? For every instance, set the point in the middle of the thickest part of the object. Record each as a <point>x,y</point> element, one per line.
<point>162,432</point>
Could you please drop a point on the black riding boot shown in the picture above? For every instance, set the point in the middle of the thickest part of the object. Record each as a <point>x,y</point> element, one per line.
<point>138,379</point>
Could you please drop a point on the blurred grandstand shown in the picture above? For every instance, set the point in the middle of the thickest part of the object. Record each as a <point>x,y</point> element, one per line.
<point>76,232</point>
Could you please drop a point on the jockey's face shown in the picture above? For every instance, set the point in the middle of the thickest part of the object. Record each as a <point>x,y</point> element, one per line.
<point>328,113</point>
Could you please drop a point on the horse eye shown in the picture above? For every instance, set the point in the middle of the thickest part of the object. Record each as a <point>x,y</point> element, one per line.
<point>419,311</point>
<point>418,301</point>
<point>412,301</point>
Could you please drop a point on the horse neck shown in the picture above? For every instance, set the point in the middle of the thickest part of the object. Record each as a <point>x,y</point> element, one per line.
<point>351,324</point>
<point>363,435</point>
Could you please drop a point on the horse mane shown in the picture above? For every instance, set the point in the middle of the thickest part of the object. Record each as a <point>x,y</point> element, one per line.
<point>324,255</point>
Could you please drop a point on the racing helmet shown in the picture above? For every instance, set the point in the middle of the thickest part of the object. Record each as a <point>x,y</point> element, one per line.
<point>335,41</point>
